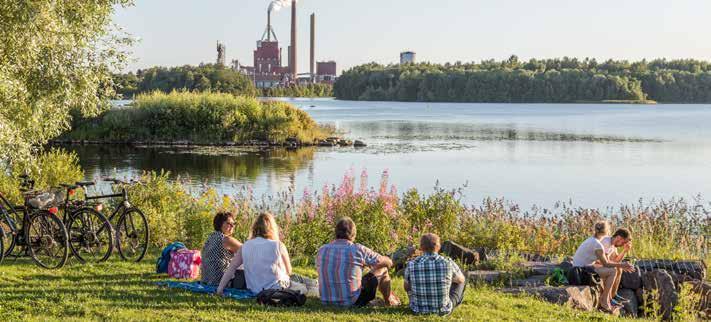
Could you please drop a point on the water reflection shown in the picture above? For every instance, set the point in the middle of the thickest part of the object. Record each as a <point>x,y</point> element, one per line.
<point>209,164</point>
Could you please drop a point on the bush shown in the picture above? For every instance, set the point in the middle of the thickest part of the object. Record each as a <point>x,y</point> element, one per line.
<point>200,118</point>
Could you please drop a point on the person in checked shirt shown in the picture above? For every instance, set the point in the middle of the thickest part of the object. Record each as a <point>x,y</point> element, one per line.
<point>434,284</point>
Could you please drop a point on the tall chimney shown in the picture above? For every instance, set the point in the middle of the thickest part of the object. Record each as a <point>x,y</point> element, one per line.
<point>313,46</point>
<point>269,25</point>
<point>293,60</point>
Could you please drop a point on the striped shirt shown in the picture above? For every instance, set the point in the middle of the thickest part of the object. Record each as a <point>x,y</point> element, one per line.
<point>340,270</point>
<point>430,278</point>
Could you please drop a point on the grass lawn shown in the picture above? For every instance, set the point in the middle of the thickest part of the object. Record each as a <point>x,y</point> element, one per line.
<point>126,291</point>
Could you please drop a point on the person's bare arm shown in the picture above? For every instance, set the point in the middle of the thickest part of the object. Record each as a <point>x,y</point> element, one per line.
<point>383,262</point>
<point>285,258</point>
<point>231,244</point>
<point>458,278</point>
<point>600,253</point>
<point>230,272</point>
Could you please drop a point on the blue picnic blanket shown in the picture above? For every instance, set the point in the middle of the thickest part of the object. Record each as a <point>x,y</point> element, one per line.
<point>197,287</point>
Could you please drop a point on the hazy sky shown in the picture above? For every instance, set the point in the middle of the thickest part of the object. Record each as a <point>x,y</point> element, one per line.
<point>178,32</point>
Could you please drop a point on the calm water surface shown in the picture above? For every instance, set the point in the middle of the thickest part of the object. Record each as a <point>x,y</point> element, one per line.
<point>596,155</point>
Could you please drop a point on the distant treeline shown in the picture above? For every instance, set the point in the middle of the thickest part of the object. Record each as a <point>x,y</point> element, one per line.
<point>536,81</point>
<point>310,90</point>
<point>206,78</point>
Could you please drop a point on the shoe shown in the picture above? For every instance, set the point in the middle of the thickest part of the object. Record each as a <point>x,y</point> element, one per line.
<point>620,299</point>
<point>614,303</point>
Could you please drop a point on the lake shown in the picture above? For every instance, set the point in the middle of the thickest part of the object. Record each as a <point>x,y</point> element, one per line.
<point>595,155</point>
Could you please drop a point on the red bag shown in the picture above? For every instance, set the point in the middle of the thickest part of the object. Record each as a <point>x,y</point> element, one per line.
<point>185,264</point>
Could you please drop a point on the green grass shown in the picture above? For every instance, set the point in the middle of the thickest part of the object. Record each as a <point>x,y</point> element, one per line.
<point>125,291</point>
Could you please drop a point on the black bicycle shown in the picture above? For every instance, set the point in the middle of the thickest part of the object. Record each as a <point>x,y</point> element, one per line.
<point>90,232</point>
<point>130,225</point>
<point>34,228</point>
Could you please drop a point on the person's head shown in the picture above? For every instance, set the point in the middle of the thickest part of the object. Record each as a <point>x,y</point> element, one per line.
<point>224,222</point>
<point>621,237</point>
<point>265,226</point>
<point>602,228</point>
<point>346,229</point>
<point>429,243</point>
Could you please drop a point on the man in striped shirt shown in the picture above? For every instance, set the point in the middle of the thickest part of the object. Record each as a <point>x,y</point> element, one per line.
<point>340,267</point>
<point>435,284</point>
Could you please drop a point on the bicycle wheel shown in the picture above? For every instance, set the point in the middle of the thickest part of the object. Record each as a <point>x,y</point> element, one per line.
<point>132,235</point>
<point>47,240</point>
<point>8,238</point>
<point>90,236</point>
<point>10,220</point>
<point>2,245</point>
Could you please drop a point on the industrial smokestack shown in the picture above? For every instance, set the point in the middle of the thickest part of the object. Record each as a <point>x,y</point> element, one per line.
<point>313,46</point>
<point>269,25</point>
<point>293,59</point>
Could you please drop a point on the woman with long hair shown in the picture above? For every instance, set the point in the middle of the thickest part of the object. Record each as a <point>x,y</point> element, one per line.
<point>266,262</point>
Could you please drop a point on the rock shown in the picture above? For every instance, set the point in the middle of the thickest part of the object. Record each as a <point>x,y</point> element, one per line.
<point>667,296</point>
<point>345,142</point>
<point>539,268</point>
<point>459,252</point>
<point>703,289</point>
<point>359,144</point>
<point>577,297</point>
<point>488,277</point>
<point>401,256</point>
<point>327,143</point>
<point>631,280</point>
<point>532,281</point>
<point>631,308</point>
<point>696,270</point>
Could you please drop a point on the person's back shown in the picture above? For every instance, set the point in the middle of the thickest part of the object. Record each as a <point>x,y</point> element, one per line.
<point>430,277</point>
<point>340,270</point>
<point>585,254</point>
<point>263,266</point>
<point>215,259</point>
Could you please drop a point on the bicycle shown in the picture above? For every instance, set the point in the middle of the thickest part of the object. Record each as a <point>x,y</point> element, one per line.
<point>42,234</point>
<point>90,232</point>
<point>131,229</point>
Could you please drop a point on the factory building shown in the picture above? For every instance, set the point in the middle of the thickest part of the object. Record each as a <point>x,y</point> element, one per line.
<point>325,72</point>
<point>407,57</point>
<point>268,71</point>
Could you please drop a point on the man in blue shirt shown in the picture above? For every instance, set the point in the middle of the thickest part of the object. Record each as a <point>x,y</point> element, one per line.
<point>435,284</point>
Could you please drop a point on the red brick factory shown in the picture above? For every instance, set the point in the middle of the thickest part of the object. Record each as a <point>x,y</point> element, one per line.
<point>267,70</point>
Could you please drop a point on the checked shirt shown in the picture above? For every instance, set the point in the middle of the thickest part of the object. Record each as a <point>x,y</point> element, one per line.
<point>430,278</point>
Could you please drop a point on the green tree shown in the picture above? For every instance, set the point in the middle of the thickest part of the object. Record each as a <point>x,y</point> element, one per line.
<point>55,56</point>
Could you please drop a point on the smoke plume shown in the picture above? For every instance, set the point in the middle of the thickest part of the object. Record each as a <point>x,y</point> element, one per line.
<point>276,5</point>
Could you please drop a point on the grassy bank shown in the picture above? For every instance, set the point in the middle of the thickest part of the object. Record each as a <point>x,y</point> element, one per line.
<point>199,118</point>
<point>125,291</point>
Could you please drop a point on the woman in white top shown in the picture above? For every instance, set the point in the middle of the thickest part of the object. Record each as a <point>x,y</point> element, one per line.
<point>592,253</point>
<point>266,262</point>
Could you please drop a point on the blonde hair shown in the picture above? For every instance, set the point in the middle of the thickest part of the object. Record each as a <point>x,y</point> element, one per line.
<point>602,228</point>
<point>265,226</point>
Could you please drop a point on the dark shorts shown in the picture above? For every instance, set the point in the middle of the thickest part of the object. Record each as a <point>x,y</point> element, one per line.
<point>368,289</point>
<point>238,282</point>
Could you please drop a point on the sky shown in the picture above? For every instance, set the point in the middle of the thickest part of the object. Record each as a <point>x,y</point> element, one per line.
<point>180,32</point>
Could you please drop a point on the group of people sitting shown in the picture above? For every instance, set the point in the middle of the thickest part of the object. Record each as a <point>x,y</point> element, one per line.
<point>599,254</point>
<point>349,274</point>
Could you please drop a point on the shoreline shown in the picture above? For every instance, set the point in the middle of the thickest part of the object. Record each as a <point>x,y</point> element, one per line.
<point>289,144</point>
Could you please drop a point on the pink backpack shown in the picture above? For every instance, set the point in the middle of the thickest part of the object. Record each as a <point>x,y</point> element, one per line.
<point>185,264</point>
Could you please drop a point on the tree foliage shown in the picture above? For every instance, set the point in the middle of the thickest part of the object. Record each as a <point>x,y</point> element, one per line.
<point>54,56</point>
<point>202,78</point>
<point>552,80</point>
<point>310,90</point>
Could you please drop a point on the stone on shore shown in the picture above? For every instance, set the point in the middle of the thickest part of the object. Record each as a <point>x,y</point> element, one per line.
<point>667,297</point>
<point>487,277</point>
<point>359,144</point>
<point>631,308</point>
<point>459,252</point>
<point>577,297</point>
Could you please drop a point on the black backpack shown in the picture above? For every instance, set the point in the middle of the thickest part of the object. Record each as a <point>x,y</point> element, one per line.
<point>281,297</point>
<point>583,276</point>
